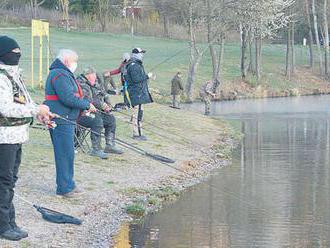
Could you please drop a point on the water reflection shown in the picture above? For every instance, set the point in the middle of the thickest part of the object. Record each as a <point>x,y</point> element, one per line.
<point>276,193</point>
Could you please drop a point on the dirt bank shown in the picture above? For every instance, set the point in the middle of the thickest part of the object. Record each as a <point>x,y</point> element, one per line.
<point>124,183</point>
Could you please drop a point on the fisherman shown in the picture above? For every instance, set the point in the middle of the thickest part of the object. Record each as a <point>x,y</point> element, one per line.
<point>123,71</point>
<point>65,98</point>
<point>16,114</point>
<point>95,93</point>
<point>176,89</point>
<point>137,88</point>
<point>207,93</point>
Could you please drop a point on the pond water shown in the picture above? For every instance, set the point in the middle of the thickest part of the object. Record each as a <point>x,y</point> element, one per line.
<point>275,193</point>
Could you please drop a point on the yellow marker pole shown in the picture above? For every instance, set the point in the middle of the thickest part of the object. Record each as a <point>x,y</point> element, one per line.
<point>40,62</point>
<point>32,60</point>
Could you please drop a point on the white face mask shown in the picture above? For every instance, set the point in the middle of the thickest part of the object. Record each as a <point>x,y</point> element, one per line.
<point>73,67</point>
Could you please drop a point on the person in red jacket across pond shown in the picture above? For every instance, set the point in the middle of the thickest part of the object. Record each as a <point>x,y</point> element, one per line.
<point>122,71</point>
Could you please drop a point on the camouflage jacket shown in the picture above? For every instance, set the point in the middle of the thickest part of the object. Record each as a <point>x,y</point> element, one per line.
<point>206,89</point>
<point>9,108</point>
<point>95,94</point>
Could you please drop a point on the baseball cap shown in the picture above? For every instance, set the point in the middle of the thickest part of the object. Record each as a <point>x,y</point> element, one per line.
<point>138,50</point>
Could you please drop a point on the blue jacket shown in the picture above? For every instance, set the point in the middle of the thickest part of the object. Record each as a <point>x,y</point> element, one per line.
<point>137,83</point>
<point>61,92</point>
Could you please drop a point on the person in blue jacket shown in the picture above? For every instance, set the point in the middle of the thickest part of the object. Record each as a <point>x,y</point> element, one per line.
<point>138,91</point>
<point>64,97</point>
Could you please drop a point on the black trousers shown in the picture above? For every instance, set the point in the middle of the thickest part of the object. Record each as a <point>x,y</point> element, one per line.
<point>100,121</point>
<point>10,160</point>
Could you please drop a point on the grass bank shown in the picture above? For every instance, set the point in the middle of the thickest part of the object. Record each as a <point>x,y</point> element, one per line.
<point>124,185</point>
<point>104,50</point>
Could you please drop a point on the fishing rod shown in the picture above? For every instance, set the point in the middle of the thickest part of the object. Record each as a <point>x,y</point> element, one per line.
<point>187,141</point>
<point>167,162</point>
<point>168,58</point>
<point>174,135</point>
<point>124,143</point>
<point>149,130</point>
<point>163,160</point>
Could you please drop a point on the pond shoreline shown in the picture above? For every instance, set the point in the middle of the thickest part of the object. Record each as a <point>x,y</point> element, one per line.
<point>123,185</point>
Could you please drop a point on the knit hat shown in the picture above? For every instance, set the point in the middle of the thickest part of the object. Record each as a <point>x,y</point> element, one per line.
<point>7,45</point>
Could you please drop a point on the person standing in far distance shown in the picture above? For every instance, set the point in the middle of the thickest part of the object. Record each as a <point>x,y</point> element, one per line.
<point>206,93</point>
<point>176,89</point>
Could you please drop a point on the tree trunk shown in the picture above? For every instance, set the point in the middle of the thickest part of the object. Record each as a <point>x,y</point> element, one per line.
<point>317,37</point>
<point>288,52</point>
<point>166,26</point>
<point>243,52</point>
<point>293,57</point>
<point>310,34</point>
<point>210,41</point>
<point>258,57</point>
<point>251,67</point>
<point>132,18</point>
<point>326,39</point>
<point>191,77</point>
<point>195,57</point>
<point>218,77</point>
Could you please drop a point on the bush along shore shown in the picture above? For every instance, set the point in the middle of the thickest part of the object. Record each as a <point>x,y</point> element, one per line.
<point>124,186</point>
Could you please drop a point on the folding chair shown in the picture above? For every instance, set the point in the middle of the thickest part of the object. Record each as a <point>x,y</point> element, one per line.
<point>81,139</point>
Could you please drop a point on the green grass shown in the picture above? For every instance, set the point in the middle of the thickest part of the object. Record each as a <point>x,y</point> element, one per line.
<point>103,51</point>
<point>135,209</point>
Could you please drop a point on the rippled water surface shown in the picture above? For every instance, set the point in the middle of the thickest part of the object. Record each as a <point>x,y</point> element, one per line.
<point>275,194</point>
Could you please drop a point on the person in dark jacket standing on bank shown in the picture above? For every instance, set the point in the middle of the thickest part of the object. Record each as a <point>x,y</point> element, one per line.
<point>138,91</point>
<point>16,113</point>
<point>176,89</point>
<point>64,97</point>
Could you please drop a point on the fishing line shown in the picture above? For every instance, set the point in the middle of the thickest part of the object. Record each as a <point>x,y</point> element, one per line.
<point>146,123</point>
<point>187,141</point>
<point>167,163</point>
<point>124,143</point>
<point>150,131</point>
<point>143,152</point>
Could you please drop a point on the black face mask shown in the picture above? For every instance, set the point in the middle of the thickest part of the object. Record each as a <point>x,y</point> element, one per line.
<point>10,58</point>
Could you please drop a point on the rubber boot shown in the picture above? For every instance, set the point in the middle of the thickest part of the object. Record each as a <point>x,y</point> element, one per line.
<point>96,147</point>
<point>12,235</point>
<point>111,145</point>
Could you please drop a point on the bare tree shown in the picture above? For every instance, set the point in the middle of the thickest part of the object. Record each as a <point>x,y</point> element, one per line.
<point>34,4</point>
<point>257,20</point>
<point>167,10</point>
<point>317,36</point>
<point>290,51</point>
<point>102,13</point>
<point>196,54</point>
<point>64,4</point>
<point>216,24</point>
<point>310,33</point>
<point>3,3</point>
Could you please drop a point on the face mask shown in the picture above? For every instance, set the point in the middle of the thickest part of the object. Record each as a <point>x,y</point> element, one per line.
<point>73,67</point>
<point>138,56</point>
<point>11,58</point>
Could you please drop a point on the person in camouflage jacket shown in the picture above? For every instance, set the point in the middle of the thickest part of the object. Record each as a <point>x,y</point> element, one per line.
<point>16,113</point>
<point>94,91</point>
<point>206,93</point>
